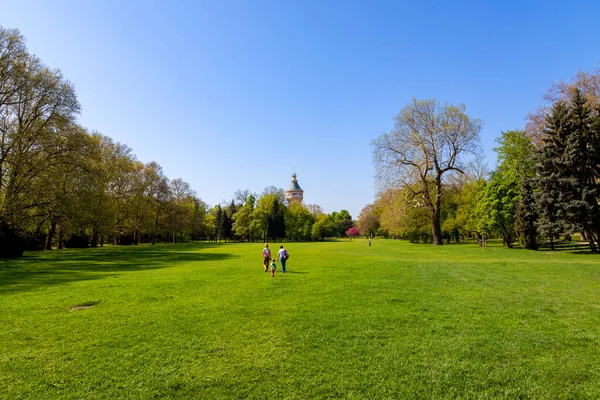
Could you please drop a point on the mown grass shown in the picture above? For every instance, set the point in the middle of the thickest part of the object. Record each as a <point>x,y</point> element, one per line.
<point>393,320</point>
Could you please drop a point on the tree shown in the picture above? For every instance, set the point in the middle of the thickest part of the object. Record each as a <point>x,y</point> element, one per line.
<point>526,218</point>
<point>428,141</point>
<point>502,195</point>
<point>395,207</point>
<point>276,228</point>
<point>368,221</point>
<point>323,227</point>
<point>343,221</point>
<point>182,207</point>
<point>268,216</point>
<point>315,209</point>
<point>37,113</point>
<point>278,193</point>
<point>241,196</point>
<point>352,232</point>
<point>298,223</point>
<point>569,170</point>
<point>243,220</point>
<point>549,176</point>
<point>587,83</point>
<point>220,222</point>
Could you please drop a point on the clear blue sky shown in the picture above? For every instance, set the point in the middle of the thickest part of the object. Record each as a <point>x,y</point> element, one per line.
<point>237,94</point>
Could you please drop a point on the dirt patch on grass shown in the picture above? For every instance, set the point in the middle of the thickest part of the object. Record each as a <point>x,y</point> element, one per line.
<point>87,304</point>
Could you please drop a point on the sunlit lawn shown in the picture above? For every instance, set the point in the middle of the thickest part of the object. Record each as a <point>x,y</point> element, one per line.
<point>395,320</point>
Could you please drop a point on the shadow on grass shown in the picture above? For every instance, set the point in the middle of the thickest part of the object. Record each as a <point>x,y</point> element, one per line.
<point>40,269</point>
<point>570,247</point>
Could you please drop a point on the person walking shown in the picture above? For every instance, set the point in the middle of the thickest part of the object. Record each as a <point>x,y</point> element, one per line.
<point>273,267</point>
<point>283,255</point>
<point>266,255</point>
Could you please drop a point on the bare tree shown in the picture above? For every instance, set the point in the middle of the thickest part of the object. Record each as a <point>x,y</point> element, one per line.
<point>588,83</point>
<point>428,141</point>
<point>315,209</point>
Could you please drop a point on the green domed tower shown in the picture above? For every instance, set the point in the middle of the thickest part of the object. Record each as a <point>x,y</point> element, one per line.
<point>294,193</point>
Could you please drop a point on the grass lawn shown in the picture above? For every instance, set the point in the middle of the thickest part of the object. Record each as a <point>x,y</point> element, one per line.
<point>395,320</point>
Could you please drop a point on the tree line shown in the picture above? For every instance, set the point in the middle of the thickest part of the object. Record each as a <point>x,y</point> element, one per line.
<point>269,217</point>
<point>434,185</point>
<point>64,186</point>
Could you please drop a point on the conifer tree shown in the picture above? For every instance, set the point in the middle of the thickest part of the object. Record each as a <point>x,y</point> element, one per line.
<point>219,222</point>
<point>581,161</point>
<point>550,175</point>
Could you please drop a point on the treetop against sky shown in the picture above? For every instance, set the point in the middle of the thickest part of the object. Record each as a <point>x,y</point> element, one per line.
<point>236,95</point>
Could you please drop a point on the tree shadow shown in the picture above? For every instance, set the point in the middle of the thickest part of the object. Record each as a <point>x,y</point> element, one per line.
<point>567,246</point>
<point>41,269</point>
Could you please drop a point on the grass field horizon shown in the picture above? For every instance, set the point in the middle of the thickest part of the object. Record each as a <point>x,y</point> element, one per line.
<point>394,320</point>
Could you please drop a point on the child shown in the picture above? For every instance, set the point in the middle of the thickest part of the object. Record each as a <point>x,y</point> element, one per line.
<point>273,266</point>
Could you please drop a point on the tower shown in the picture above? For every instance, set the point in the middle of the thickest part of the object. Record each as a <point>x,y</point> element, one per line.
<point>294,193</point>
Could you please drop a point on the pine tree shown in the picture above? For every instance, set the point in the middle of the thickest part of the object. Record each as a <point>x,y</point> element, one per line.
<point>219,223</point>
<point>580,203</point>
<point>569,176</point>
<point>228,221</point>
<point>550,172</point>
<point>276,226</point>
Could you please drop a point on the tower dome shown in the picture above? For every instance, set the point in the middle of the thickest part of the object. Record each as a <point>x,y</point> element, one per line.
<point>294,193</point>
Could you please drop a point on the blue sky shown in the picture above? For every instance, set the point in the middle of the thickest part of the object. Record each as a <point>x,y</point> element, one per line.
<point>234,95</point>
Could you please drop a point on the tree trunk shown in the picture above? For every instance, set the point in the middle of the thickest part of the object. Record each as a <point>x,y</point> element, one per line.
<point>61,235</point>
<point>94,242</point>
<point>51,233</point>
<point>591,240</point>
<point>436,226</point>
<point>154,229</point>
<point>101,240</point>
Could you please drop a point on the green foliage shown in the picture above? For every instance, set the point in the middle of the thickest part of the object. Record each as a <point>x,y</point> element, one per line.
<point>429,143</point>
<point>369,220</point>
<point>499,201</point>
<point>569,172</point>
<point>526,218</point>
<point>323,227</point>
<point>298,223</point>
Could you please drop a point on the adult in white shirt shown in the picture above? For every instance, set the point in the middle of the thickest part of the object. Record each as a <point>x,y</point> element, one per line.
<point>283,255</point>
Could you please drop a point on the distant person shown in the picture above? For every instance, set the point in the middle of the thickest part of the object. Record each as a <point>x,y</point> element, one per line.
<point>369,241</point>
<point>273,267</point>
<point>283,255</point>
<point>266,255</point>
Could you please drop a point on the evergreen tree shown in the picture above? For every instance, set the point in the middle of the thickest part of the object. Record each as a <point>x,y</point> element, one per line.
<point>581,161</point>
<point>220,223</point>
<point>276,225</point>
<point>569,171</point>
<point>550,175</point>
<point>228,232</point>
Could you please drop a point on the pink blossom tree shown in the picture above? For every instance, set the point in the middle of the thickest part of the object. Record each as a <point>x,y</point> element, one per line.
<point>352,232</point>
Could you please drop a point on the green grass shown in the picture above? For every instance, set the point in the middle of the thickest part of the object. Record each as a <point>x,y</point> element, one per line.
<point>394,320</point>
